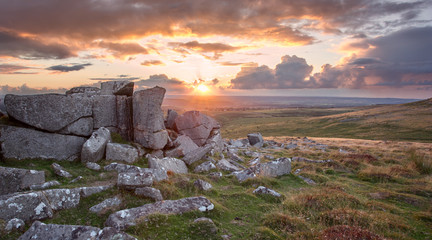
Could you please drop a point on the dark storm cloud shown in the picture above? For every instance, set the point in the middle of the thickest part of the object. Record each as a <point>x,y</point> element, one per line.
<point>13,45</point>
<point>172,85</point>
<point>292,72</point>
<point>14,69</point>
<point>216,48</point>
<point>68,68</point>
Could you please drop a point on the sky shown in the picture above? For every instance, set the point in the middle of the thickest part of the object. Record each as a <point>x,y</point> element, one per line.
<point>346,48</point>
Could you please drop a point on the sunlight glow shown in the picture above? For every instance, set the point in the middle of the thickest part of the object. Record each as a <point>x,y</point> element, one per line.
<point>202,88</point>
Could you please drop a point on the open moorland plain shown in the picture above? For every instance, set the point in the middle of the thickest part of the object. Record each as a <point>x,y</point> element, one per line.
<point>356,173</point>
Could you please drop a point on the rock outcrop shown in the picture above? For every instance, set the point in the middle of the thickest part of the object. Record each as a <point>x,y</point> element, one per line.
<point>130,217</point>
<point>148,121</point>
<point>195,125</point>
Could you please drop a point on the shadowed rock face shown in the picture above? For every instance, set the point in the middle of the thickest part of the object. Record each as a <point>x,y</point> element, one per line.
<point>130,217</point>
<point>50,112</point>
<point>16,179</point>
<point>148,121</point>
<point>21,143</point>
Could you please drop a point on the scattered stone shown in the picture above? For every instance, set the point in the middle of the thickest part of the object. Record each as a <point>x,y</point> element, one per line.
<point>15,144</point>
<point>215,175</point>
<point>149,128</point>
<point>88,191</point>
<point>16,179</point>
<point>149,192</point>
<point>44,185</point>
<point>204,167</point>
<point>50,112</point>
<point>120,167</point>
<point>234,156</point>
<point>83,91</point>
<point>59,171</point>
<point>117,88</point>
<point>252,154</point>
<point>131,217</point>
<point>196,155</point>
<point>278,167</point>
<point>196,125</point>
<point>254,161</point>
<point>25,206</point>
<point>244,175</point>
<point>107,203</point>
<point>76,179</point>
<point>63,198</point>
<point>205,226</point>
<point>202,185</point>
<point>307,180</point>
<point>134,179</point>
<point>255,140</point>
<point>70,232</point>
<point>121,152</point>
<point>169,164</point>
<point>104,111</point>
<point>269,157</point>
<point>182,145</point>
<point>239,143</point>
<point>93,149</point>
<point>171,116</point>
<point>15,224</point>
<point>223,164</point>
<point>264,190</point>
<point>93,166</point>
<point>291,146</point>
<point>158,174</point>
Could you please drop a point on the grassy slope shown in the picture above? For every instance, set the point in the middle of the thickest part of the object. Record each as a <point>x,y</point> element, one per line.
<point>407,122</point>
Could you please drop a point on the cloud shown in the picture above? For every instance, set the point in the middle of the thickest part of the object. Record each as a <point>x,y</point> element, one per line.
<point>14,69</point>
<point>13,45</point>
<point>26,90</point>
<point>122,77</point>
<point>229,63</point>
<point>292,72</point>
<point>172,85</point>
<point>152,63</point>
<point>123,50</point>
<point>216,48</point>
<point>68,67</point>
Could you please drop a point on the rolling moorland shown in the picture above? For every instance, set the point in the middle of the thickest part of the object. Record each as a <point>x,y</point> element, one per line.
<point>377,184</point>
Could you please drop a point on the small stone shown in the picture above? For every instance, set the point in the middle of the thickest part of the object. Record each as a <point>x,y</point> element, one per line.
<point>234,156</point>
<point>76,179</point>
<point>149,192</point>
<point>59,171</point>
<point>44,185</point>
<point>223,164</point>
<point>170,164</point>
<point>244,175</point>
<point>202,185</point>
<point>88,191</point>
<point>107,203</point>
<point>264,190</point>
<point>15,224</point>
<point>93,166</point>
<point>255,140</point>
<point>204,167</point>
<point>134,179</point>
<point>215,175</point>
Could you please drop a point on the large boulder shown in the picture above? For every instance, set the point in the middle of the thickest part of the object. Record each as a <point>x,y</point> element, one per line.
<point>148,121</point>
<point>50,112</point>
<point>195,125</point>
<point>71,232</point>
<point>170,164</point>
<point>117,88</point>
<point>131,217</point>
<point>104,111</point>
<point>278,167</point>
<point>182,145</point>
<point>21,143</point>
<point>121,152</point>
<point>93,149</point>
<point>16,179</point>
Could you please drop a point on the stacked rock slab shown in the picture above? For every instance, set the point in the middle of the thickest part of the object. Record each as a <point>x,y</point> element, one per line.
<point>148,121</point>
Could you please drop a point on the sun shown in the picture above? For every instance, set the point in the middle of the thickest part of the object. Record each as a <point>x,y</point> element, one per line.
<point>202,88</point>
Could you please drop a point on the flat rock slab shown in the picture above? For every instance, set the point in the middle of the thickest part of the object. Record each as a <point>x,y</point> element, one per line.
<point>169,164</point>
<point>158,174</point>
<point>105,204</point>
<point>195,125</point>
<point>21,143</point>
<point>266,191</point>
<point>204,167</point>
<point>50,112</point>
<point>182,145</point>
<point>223,164</point>
<point>72,232</point>
<point>134,179</point>
<point>278,167</point>
<point>121,152</point>
<point>130,217</point>
<point>17,179</point>
<point>197,154</point>
<point>149,192</point>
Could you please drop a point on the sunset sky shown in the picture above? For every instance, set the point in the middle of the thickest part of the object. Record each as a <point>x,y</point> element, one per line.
<point>351,48</point>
